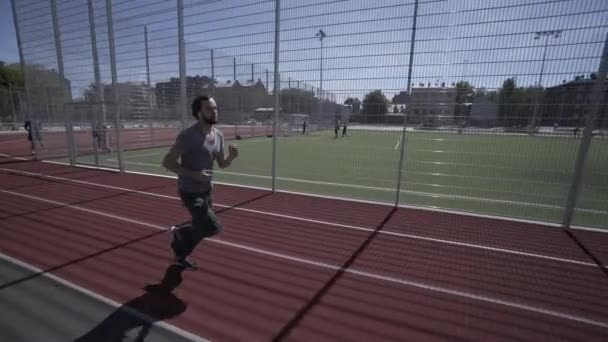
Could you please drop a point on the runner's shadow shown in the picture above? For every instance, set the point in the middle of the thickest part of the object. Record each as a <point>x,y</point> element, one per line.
<point>158,303</point>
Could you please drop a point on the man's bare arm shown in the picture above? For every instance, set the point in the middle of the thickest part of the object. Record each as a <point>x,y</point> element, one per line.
<point>223,161</point>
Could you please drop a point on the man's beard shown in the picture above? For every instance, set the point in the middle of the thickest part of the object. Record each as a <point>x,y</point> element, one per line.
<point>209,121</point>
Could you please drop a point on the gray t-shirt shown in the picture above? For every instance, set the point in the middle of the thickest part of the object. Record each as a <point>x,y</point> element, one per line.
<point>198,153</point>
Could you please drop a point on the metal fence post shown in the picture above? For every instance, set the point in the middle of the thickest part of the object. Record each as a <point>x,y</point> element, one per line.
<point>182,63</point>
<point>59,53</point>
<point>599,90</point>
<point>28,96</point>
<point>99,110</point>
<point>70,140</point>
<point>234,69</point>
<point>97,74</point>
<point>150,107</point>
<point>409,92</point>
<point>277,19</point>
<point>114,83</point>
<point>212,68</point>
<point>12,101</point>
<point>57,34</point>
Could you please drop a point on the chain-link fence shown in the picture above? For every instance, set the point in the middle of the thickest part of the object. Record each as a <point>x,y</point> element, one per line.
<point>490,107</point>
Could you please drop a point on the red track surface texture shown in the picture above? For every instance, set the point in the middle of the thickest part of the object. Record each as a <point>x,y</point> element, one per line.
<point>308,269</point>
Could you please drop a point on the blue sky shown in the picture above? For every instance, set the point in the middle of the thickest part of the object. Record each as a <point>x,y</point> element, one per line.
<point>8,46</point>
<point>367,47</point>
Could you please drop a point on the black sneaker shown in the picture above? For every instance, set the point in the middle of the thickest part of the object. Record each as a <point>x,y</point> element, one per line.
<point>186,263</point>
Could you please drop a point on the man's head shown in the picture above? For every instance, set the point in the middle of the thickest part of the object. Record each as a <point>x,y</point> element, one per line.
<point>204,109</point>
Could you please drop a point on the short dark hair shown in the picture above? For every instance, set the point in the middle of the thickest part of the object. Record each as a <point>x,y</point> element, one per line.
<point>196,104</point>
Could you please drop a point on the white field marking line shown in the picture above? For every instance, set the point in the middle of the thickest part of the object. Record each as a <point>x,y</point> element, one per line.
<point>105,300</point>
<point>346,199</point>
<point>410,172</point>
<point>246,140</point>
<point>419,193</point>
<point>164,151</point>
<point>332,224</point>
<point>134,155</point>
<point>402,281</point>
<point>431,194</point>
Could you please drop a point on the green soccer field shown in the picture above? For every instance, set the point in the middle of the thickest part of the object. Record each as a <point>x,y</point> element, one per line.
<point>509,175</point>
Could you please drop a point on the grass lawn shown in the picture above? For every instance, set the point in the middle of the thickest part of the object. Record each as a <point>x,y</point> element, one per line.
<point>511,175</point>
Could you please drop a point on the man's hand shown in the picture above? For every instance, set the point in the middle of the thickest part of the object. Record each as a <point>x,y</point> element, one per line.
<point>233,152</point>
<point>224,161</point>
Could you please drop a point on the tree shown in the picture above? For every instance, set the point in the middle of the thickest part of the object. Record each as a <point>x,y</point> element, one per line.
<point>375,103</point>
<point>11,84</point>
<point>506,100</point>
<point>516,105</point>
<point>401,98</point>
<point>464,95</point>
<point>90,93</point>
<point>492,95</point>
<point>354,102</point>
<point>10,75</point>
<point>48,91</point>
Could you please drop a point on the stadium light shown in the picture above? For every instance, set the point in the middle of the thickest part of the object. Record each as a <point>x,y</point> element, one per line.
<point>321,35</point>
<point>547,34</point>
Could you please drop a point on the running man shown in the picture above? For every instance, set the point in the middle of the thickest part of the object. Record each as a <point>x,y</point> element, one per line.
<point>198,146</point>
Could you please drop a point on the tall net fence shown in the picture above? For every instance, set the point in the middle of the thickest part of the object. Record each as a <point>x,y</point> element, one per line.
<point>477,106</point>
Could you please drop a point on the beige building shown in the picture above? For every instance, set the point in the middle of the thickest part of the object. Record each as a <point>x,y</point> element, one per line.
<point>435,104</point>
<point>236,101</point>
<point>237,97</point>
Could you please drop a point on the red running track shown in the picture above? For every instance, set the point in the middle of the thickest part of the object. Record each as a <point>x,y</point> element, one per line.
<point>15,144</point>
<point>308,268</point>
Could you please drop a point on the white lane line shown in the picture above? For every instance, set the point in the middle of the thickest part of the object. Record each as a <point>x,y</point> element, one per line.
<point>401,281</point>
<point>11,157</point>
<point>327,223</point>
<point>105,300</point>
<point>157,153</point>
